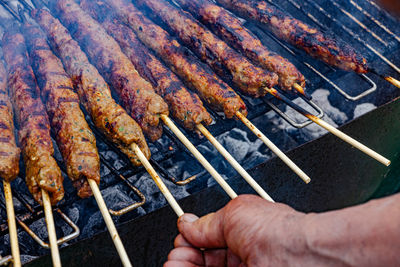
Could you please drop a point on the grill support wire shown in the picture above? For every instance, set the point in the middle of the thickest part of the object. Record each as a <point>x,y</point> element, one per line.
<point>218,119</point>
<point>365,93</point>
<point>34,214</point>
<point>356,37</point>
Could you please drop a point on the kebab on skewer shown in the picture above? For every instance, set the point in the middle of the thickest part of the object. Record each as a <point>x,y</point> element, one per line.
<point>93,37</point>
<point>74,137</point>
<point>319,44</point>
<point>9,160</point>
<point>43,176</point>
<point>96,97</point>
<point>224,60</point>
<point>164,81</point>
<point>196,74</point>
<point>42,171</point>
<point>231,30</point>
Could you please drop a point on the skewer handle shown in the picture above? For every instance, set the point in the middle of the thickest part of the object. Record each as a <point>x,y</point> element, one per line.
<point>274,148</point>
<point>199,157</point>
<point>349,140</point>
<point>51,229</point>
<point>110,224</point>
<point>12,225</point>
<point>234,163</point>
<point>163,188</point>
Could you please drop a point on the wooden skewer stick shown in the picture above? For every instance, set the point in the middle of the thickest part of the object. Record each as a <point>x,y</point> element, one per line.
<point>160,184</point>
<point>274,148</point>
<point>392,81</point>
<point>51,229</point>
<point>301,90</point>
<point>199,157</point>
<point>330,128</point>
<point>388,78</point>
<point>110,224</point>
<point>234,163</point>
<point>12,227</point>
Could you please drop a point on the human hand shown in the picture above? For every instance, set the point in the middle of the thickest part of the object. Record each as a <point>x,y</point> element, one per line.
<point>248,231</point>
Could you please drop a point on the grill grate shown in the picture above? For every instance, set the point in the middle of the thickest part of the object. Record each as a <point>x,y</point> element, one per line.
<point>166,150</point>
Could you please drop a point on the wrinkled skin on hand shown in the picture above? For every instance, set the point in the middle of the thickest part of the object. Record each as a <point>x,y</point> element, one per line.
<point>236,238</point>
<point>250,231</point>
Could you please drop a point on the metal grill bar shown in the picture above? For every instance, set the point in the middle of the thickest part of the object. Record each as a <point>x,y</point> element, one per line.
<point>359,23</point>
<point>320,113</point>
<point>348,31</point>
<point>35,215</point>
<point>5,260</point>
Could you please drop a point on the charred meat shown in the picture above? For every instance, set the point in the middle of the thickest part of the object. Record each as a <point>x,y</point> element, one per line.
<point>318,44</point>
<point>42,171</point>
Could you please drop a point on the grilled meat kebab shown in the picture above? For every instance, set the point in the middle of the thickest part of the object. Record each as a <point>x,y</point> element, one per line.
<point>9,152</point>
<point>321,45</point>
<point>42,171</point>
<point>73,135</point>
<point>136,94</point>
<point>186,107</point>
<point>224,60</point>
<point>201,78</point>
<point>229,28</point>
<point>93,91</point>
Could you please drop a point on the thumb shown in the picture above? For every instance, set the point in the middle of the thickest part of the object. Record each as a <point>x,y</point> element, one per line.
<point>206,232</point>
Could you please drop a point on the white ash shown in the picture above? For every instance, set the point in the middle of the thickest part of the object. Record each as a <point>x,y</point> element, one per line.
<point>362,109</point>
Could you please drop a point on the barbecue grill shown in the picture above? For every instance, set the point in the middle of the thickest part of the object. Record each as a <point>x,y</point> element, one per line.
<point>365,106</point>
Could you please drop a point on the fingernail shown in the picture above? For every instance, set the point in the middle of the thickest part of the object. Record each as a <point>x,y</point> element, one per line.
<point>189,218</point>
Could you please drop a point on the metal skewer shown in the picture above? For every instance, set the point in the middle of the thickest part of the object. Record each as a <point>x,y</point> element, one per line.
<point>330,128</point>
<point>274,148</point>
<point>234,163</point>
<point>12,225</point>
<point>199,156</point>
<point>51,229</point>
